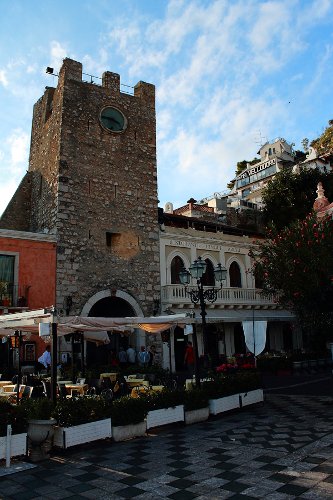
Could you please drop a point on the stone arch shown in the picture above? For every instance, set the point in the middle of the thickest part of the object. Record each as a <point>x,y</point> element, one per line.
<point>111,293</point>
<point>171,256</point>
<point>176,265</point>
<point>240,265</point>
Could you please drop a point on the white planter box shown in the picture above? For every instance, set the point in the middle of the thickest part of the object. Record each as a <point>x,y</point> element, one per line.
<point>18,445</point>
<point>124,432</point>
<point>155,418</point>
<point>223,404</point>
<point>64,437</point>
<point>194,416</point>
<point>252,397</point>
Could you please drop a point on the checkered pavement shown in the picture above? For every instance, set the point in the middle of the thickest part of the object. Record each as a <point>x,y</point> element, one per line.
<point>281,450</point>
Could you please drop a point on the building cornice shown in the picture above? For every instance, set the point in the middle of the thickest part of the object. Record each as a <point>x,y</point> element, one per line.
<point>25,235</point>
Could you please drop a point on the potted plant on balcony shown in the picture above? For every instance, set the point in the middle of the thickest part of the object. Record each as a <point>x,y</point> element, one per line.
<point>3,291</point>
<point>196,405</point>
<point>38,413</point>
<point>128,417</point>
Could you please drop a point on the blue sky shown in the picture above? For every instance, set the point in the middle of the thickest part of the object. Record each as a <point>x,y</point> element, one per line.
<point>228,75</point>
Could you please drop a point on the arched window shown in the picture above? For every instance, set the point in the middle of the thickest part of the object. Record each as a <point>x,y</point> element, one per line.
<point>208,278</point>
<point>235,275</point>
<point>176,265</point>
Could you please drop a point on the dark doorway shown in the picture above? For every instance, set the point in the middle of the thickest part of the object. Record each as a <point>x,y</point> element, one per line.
<point>287,337</point>
<point>177,265</point>
<point>180,341</point>
<point>109,307</point>
<point>212,344</point>
<point>235,275</point>
<point>239,339</point>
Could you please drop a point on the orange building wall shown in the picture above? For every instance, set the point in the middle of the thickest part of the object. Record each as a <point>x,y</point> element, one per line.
<point>37,268</point>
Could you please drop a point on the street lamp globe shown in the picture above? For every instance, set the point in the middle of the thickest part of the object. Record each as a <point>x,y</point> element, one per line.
<point>184,276</point>
<point>220,273</point>
<point>198,268</point>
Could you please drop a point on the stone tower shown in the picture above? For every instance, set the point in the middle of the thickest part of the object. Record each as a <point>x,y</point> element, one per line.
<point>94,184</point>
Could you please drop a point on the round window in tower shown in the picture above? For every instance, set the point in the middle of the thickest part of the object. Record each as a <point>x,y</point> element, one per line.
<point>112,119</point>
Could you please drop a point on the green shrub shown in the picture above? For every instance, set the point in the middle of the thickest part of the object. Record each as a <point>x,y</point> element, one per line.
<point>11,415</point>
<point>195,399</point>
<point>76,411</point>
<point>37,409</point>
<point>226,385</point>
<point>164,399</point>
<point>127,410</point>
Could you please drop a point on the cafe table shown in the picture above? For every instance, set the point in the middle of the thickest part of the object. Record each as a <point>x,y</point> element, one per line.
<point>8,388</point>
<point>79,388</point>
<point>133,382</point>
<point>190,382</point>
<point>5,382</point>
<point>143,389</point>
<point>9,396</point>
<point>112,376</point>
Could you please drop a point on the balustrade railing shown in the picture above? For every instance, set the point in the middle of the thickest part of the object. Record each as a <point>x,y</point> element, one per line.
<point>176,294</point>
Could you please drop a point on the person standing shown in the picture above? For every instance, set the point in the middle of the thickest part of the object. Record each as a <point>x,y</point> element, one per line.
<point>131,355</point>
<point>152,352</point>
<point>122,356</point>
<point>189,358</point>
<point>44,361</point>
<point>143,357</point>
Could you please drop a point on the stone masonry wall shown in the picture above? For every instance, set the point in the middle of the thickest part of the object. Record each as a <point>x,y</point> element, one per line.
<point>98,188</point>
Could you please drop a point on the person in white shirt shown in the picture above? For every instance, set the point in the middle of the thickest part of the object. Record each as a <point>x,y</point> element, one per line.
<point>45,359</point>
<point>131,355</point>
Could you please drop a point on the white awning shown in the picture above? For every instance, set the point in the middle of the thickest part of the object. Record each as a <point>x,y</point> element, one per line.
<point>91,327</point>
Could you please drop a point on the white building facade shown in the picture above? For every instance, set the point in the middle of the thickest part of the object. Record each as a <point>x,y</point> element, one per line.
<point>239,300</point>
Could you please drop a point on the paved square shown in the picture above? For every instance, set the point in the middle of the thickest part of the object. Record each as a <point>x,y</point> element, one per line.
<point>281,450</point>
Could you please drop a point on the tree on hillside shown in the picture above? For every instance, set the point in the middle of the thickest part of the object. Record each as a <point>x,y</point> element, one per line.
<point>324,143</point>
<point>297,265</point>
<point>241,166</point>
<point>289,197</point>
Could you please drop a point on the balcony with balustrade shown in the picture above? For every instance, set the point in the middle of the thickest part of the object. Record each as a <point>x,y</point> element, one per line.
<point>227,298</point>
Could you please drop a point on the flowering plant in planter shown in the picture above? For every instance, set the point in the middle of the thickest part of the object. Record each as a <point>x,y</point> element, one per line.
<point>127,410</point>
<point>11,415</point>
<point>195,399</point>
<point>164,399</point>
<point>77,411</point>
<point>225,385</point>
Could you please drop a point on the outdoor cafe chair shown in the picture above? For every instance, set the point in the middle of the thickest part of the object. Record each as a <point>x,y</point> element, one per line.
<point>26,394</point>
<point>63,391</point>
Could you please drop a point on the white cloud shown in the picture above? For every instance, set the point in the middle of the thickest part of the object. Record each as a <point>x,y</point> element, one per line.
<point>320,71</point>
<point>18,146</point>
<point>14,163</point>
<point>57,53</point>
<point>3,78</point>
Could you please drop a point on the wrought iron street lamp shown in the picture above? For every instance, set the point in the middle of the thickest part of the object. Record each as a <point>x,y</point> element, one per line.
<point>199,295</point>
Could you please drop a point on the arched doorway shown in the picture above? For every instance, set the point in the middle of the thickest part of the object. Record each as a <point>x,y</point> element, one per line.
<point>235,275</point>
<point>208,278</point>
<point>177,265</point>
<point>109,307</point>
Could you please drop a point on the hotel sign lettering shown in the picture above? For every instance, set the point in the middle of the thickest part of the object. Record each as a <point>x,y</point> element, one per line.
<point>194,244</point>
<point>257,168</point>
<point>205,246</point>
